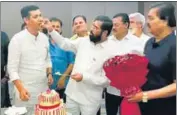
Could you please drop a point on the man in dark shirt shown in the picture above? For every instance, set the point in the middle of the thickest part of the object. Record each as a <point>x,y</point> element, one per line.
<point>159,92</point>
<point>5,100</point>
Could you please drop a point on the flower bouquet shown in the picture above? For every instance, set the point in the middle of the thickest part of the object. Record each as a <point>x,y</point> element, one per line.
<point>127,73</point>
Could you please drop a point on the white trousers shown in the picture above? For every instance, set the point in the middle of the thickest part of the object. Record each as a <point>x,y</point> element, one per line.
<point>75,108</point>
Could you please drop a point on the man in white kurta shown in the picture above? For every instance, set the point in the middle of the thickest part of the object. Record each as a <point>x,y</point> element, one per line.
<point>122,43</point>
<point>85,95</point>
<point>28,61</point>
<point>128,44</point>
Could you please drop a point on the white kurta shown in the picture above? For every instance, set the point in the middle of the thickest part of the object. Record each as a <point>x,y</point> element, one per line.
<point>28,58</point>
<point>144,38</point>
<point>89,62</point>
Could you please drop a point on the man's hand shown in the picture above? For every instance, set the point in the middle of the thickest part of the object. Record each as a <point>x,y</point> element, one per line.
<point>47,24</point>
<point>24,94</point>
<point>135,98</point>
<point>61,82</point>
<point>78,77</point>
<point>50,79</point>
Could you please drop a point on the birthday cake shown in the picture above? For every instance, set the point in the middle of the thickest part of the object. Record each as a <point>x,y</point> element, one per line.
<point>49,103</point>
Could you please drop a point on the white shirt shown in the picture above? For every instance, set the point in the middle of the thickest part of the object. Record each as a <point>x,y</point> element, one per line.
<point>129,44</point>
<point>28,59</point>
<point>89,62</point>
<point>144,38</point>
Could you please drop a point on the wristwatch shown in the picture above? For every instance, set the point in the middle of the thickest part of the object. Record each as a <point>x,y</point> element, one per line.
<point>145,97</point>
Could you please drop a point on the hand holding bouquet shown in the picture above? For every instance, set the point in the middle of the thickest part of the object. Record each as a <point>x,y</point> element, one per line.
<point>127,73</point>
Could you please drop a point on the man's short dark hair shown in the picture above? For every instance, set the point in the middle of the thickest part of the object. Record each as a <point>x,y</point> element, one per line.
<point>23,26</point>
<point>56,20</point>
<point>82,16</point>
<point>166,11</point>
<point>125,18</point>
<point>107,23</point>
<point>26,10</point>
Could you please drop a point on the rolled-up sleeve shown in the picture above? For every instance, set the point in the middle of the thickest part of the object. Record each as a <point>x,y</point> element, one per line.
<point>13,59</point>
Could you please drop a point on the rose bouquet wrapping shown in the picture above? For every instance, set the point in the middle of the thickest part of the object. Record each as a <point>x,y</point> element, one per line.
<point>127,73</point>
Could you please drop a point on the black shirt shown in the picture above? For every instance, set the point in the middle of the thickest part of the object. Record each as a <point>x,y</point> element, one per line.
<point>162,72</point>
<point>162,62</point>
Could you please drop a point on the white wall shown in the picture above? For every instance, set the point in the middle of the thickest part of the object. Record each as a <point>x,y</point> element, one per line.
<point>11,18</point>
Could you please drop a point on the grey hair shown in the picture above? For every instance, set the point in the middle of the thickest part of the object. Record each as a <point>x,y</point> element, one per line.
<point>138,17</point>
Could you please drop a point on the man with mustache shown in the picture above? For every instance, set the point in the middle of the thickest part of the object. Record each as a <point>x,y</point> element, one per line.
<point>124,43</point>
<point>158,95</point>
<point>87,81</point>
<point>79,27</point>
<point>29,60</point>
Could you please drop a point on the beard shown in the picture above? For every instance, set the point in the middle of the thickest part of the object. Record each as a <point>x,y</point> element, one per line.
<point>45,31</point>
<point>95,39</point>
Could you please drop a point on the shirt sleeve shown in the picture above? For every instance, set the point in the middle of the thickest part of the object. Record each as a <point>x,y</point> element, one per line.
<point>13,59</point>
<point>71,57</point>
<point>74,37</point>
<point>173,60</point>
<point>49,62</point>
<point>65,43</point>
<point>98,80</point>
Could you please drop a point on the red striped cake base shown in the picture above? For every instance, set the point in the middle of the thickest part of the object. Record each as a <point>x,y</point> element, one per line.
<point>59,110</point>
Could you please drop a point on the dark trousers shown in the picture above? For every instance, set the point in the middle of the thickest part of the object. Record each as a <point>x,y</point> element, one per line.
<point>61,92</point>
<point>5,98</point>
<point>163,106</point>
<point>99,112</point>
<point>112,103</point>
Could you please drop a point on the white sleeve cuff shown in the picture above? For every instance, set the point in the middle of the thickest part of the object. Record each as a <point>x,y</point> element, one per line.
<point>52,32</point>
<point>14,76</point>
<point>49,65</point>
<point>85,78</point>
